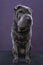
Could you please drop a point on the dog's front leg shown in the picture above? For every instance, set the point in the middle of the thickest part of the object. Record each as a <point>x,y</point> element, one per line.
<point>14,50</point>
<point>28,50</point>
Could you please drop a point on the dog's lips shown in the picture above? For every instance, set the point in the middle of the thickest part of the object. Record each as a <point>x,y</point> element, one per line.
<point>22,28</point>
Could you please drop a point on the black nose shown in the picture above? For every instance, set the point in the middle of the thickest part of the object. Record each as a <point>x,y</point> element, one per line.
<point>22,28</point>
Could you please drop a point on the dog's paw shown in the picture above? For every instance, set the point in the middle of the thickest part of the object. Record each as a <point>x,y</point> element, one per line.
<point>15,60</point>
<point>28,61</point>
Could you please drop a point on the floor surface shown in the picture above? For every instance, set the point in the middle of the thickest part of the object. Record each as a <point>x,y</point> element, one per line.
<point>6,58</point>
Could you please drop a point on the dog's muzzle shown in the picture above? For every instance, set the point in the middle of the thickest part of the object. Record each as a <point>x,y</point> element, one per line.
<point>24,22</point>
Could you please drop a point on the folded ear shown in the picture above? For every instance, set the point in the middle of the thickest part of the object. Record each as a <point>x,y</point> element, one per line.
<point>17,7</point>
<point>15,12</point>
<point>14,15</point>
<point>30,10</point>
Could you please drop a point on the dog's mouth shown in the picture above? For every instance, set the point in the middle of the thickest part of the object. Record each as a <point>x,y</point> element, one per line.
<point>22,28</point>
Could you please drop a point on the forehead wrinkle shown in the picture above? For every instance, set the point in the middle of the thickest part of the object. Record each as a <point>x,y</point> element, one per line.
<point>29,10</point>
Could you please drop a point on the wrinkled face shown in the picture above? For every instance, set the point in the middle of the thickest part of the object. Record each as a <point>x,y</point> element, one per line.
<point>21,11</point>
<point>24,22</point>
<point>24,17</point>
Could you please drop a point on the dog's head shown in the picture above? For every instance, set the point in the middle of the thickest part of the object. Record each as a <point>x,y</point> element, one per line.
<point>22,15</point>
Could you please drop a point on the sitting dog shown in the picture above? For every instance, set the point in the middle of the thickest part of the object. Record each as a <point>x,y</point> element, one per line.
<point>21,32</point>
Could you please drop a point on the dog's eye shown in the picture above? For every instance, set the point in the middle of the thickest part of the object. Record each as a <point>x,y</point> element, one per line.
<point>29,21</point>
<point>19,15</point>
<point>21,11</point>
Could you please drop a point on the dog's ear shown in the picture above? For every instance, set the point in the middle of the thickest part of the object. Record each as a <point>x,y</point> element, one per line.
<point>17,7</point>
<point>15,12</point>
<point>30,10</point>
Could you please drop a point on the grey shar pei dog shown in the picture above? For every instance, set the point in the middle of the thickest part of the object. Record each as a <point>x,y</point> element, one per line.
<point>21,32</point>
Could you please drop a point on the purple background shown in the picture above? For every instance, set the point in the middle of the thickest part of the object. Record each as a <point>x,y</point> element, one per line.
<point>6,20</point>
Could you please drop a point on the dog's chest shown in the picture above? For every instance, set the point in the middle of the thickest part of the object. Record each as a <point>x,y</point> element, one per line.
<point>22,37</point>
